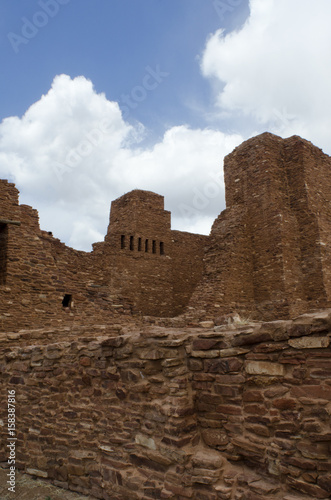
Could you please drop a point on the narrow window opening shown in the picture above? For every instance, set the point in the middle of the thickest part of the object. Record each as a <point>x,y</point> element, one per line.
<point>154,246</point>
<point>139,244</point>
<point>131,243</point>
<point>146,246</point>
<point>3,253</point>
<point>67,300</point>
<point>161,248</point>
<point>122,241</point>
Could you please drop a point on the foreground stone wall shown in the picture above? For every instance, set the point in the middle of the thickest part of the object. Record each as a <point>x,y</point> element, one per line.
<point>236,412</point>
<point>263,398</point>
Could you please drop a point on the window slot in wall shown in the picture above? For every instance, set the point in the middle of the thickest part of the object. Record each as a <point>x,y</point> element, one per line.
<point>154,246</point>
<point>161,248</point>
<point>139,244</point>
<point>131,243</point>
<point>122,241</point>
<point>146,246</point>
<point>67,300</point>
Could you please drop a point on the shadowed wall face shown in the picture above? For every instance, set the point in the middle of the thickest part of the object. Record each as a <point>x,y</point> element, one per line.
<point>270,250</point>
<point>3,252</point>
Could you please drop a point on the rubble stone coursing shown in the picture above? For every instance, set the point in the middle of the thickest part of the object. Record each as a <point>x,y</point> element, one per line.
<point>125,387</point>
<point>141,267</point>
<point>268,255</point>
<point>235,412</point>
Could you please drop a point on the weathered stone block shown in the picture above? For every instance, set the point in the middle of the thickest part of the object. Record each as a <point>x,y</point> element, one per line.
<point>309,489</point>
<point>310,342</point>
<point>225,365</point>
<point>264,368</point>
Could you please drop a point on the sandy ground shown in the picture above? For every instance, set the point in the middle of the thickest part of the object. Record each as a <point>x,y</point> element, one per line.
<point>28,488</point>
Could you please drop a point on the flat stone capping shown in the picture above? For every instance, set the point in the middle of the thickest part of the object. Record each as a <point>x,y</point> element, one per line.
<point>13,222</point>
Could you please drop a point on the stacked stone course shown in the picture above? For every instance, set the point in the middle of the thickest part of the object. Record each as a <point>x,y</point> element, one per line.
<point>269,251</point>
<point>125,387</point>
<point>230,413</point>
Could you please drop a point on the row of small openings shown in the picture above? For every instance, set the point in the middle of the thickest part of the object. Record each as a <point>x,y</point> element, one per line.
<point>143,245</point>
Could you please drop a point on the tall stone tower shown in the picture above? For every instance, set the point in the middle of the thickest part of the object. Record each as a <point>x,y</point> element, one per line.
<point>139,240</point>
<point>270,250</point>
<point>153,266</point>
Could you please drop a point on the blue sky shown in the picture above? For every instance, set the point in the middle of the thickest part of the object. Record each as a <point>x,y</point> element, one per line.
<point>111,42</point>
<point>101,97</point>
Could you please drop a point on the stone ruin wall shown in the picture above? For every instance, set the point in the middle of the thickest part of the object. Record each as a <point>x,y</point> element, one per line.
<point>37,270</point>
<point>269,251</point>
<point>155,267</point>
<point>230,413</point>
<point>40,270</point>
<point>268,255</point>
<point>125,411</point>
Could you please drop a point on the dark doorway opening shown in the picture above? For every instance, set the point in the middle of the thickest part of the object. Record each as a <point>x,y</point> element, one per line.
<point>67,300</point>
<point>3,253</point>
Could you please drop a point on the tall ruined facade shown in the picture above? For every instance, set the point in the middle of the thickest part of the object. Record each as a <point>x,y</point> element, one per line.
<point>117,406</point>
<point>142,267</point>
<point>268,254</point>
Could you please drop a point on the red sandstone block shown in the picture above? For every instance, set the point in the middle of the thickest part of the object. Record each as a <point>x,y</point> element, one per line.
<point>251,338</point>
<point>259,430</point>
<point>223,365</point>
<point>209,398</point>
<point>255,396</point>
<point>204,344</point>
<point>226,390</point>
<point>299,462</point>
<point>324,481</point>
<point>309,489</point>
<point>255,409</point>
<point>215,437</point>
<point>229,409</point>
<point>285,404</point>
<point>312,391</point>
<point>85,361</point>
<point>179,490</point>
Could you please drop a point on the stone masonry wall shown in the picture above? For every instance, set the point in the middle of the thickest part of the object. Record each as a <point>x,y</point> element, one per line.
<point>142,266</point>
<point>37,271</point>
<point>156,268</point>
<point>269,251</point>
<point>234,413</point>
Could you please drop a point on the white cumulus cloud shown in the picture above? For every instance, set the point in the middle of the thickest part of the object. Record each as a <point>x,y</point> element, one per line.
<point>72,153</point>
<point>276,69</point>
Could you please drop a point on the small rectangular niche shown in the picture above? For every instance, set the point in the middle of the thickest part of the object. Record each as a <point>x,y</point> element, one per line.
<point>122,241</point>
<point>154,246</point>
<point>131,243</point>
<point>67,300</point>
<point>161,248</point>
<point>139,244</point>
<point>146,246</point>
<point>3,253</point>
